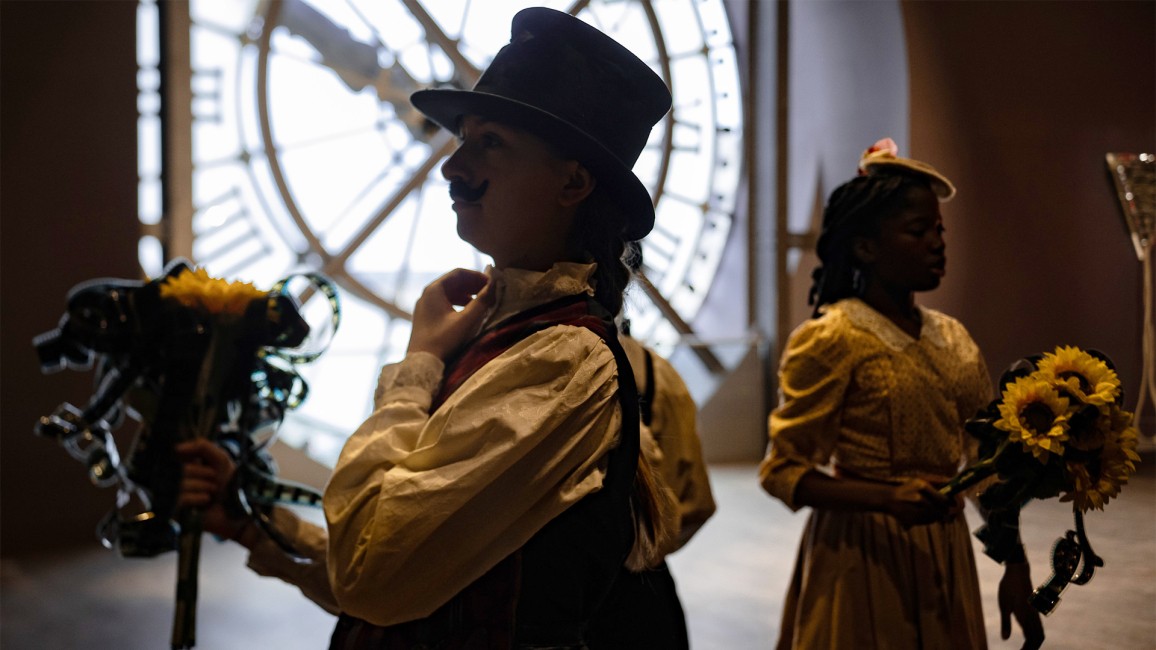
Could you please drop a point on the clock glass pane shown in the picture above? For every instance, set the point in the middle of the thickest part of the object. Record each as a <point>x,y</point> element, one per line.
<point>305,155</point>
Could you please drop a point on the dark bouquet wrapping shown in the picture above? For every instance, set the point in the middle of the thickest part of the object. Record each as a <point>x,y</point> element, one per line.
<point>1057,430</point>
<point>188,356</point>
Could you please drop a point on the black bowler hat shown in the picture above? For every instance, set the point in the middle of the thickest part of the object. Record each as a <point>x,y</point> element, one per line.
<point>574,87</point>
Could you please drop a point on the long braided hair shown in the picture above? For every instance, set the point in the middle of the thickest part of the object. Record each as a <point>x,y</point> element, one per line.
<point>598,227</point>
<point>598,230</point>
<point>855,209</point>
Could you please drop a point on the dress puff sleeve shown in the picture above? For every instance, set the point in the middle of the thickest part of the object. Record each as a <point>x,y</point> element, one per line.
<point>804,428</point>
<point>978,393</point>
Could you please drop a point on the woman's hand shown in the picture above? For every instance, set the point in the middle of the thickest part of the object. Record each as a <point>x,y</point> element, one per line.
<point>916,501</point>
<point>438,328</point>
<point>1015,588</point>
<point>913,502</point>
<point>206,472</point>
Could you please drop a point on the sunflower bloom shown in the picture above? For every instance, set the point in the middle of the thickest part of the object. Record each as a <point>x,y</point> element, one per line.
<point>1082,375</point>
<point>1088,435</point>
<point>197,290</point>
<point>1094,483</point>
<point>1035,414</point>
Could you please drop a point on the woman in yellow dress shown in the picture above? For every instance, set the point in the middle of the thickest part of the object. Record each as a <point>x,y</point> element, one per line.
<point>874,393</point>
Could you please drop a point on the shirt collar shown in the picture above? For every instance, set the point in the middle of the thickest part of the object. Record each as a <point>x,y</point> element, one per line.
<point>517,290</point>
<point>865,318</point>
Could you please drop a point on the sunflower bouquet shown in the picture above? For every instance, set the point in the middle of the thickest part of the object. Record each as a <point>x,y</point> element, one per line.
<point>188,356</point>
<point>228,344</point>
<point>1057,430</point>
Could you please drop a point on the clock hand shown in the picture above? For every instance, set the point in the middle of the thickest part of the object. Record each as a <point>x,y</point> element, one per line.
<point>356,62</point>
<point>703,352</point>
<point>441,144</point>
<point>466,73</point>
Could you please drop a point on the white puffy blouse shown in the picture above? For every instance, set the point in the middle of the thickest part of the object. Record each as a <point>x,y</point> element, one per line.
<point>420,505</point>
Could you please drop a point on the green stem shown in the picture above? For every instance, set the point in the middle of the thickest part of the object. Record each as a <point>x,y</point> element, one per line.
<point>975,473</point>
<point>206,404</point>
<point>188,563</point>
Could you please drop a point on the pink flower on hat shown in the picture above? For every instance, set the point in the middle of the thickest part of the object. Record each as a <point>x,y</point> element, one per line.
<point>882,150</point>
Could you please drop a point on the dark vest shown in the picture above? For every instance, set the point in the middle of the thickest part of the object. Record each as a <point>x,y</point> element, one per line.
<point>545,593</point>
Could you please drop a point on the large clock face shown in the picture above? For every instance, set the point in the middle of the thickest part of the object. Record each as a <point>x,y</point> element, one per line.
<point>306,155</point>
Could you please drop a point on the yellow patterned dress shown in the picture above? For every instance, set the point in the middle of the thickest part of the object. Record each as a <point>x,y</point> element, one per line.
<point>861,397</point>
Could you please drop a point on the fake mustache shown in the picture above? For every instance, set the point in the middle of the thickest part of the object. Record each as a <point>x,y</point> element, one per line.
<point>460,191</point>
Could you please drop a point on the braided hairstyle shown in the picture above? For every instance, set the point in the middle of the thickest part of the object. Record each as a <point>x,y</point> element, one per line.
<point>855,209</point>
<point>598,228</point>
<point>598,231</point>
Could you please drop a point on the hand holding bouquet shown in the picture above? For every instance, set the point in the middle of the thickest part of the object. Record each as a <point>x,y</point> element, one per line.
<point>189,356</point>
<point>1057,429</point>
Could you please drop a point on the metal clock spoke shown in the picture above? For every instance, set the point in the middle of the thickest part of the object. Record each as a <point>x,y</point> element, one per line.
<point>267,133</point>
<point>578,6</point>
<point>704,354</point>
<point>351,283</point>
<point>667,134</point>
<point>356,63</point>
<point>441,145</point>
<point>468,73</point>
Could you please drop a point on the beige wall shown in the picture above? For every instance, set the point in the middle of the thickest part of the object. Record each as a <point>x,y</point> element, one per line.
<point>1018,102</point>
<point>68,204</point>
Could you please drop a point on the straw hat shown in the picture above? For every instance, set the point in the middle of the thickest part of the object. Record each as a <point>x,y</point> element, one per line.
<point>883,155</point>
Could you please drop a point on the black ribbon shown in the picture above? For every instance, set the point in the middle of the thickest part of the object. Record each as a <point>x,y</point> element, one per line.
<point>149,354</point>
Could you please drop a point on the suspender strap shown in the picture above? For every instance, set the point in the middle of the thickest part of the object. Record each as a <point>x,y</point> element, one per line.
<point>647,399</point>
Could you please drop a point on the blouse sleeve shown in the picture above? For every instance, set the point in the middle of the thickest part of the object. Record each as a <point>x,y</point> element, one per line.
<point>682,466</point>
<point>420,505</point>
<point>804,428</point>
<point>267,559</point>
<point>977,391</point>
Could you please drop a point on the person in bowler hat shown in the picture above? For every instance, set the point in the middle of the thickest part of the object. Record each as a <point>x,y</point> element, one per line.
<point>497,489</point>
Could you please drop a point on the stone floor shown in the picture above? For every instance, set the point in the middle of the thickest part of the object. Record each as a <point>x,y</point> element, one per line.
<point>731,576</point>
